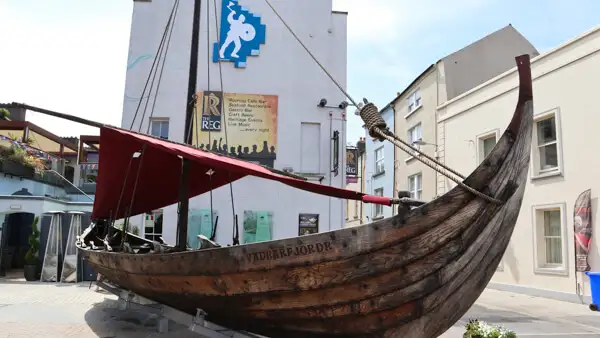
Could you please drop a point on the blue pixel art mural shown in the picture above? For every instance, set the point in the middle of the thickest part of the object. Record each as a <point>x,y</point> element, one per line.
<point>240,34</point>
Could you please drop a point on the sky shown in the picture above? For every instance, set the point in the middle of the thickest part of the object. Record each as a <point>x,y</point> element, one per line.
<point>71,55</point>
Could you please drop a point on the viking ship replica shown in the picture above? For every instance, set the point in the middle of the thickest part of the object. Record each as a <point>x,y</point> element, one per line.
<point>412,275</point>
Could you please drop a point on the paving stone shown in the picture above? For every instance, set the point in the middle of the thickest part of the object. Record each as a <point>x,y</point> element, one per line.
<point>52,310</point>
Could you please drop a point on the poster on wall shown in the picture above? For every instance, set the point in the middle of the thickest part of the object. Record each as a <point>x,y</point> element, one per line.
<point>258,226</point>
<point>351,161</point>
<point>308,224</point>
<point>582,228</point>
<point>199,223</point>
<point>250,121</point>
<point>212,110</point>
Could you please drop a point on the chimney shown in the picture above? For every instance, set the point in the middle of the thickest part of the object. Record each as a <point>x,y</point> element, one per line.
<point>17,114</point>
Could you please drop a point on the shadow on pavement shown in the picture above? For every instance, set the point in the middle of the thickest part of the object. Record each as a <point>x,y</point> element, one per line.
<point>106,320</point>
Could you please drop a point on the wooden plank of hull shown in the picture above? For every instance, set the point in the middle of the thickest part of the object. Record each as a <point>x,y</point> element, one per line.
<point>402,277</point>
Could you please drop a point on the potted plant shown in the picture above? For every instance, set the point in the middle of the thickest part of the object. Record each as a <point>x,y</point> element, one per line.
<point>479,329</point>
<point>4,114</point>
<point>32,258</point>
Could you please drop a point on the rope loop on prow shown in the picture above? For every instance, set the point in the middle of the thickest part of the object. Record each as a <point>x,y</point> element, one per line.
<point>373,120</point>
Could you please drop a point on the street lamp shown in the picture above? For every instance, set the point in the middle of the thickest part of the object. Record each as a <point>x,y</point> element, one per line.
<point>420,142</point>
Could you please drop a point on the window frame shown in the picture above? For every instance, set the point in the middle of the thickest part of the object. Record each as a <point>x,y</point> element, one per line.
<point>377,161</point>
<point>156,214</point>
<point>480,145</point>
<point>539,261</point>
<point>420,190</point>
<point>378,210</point>
<point>160,120</point>
<point>409,136</point>
<point>414,99</point>
<point>536,171</point>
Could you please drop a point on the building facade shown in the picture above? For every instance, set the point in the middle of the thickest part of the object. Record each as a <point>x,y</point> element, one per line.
<point>415,107</point>
<point>40,176</point>
<point>379,170</point>
<point>355,210</point>
<point>271,104</point>
<point>540,257</point>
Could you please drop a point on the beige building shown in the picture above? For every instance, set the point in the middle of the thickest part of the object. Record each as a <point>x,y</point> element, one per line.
<point>540,257</point>
<point>415,107</point>
<point>355,210</point>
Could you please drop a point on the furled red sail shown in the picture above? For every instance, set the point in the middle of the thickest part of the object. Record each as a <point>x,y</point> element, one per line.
<point>159,175</point>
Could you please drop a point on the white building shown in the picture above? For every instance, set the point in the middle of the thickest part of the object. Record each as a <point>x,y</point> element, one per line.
<point>540,258</point>
<point>284,87</point>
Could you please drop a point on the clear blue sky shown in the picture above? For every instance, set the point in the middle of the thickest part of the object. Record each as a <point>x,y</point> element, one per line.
<point>71,55</point>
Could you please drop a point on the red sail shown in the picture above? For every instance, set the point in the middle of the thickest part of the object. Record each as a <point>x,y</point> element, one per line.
<point>582,228</point>
<point>158,179</point>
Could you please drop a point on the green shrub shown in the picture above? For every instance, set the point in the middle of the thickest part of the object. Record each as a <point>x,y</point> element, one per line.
<point>479,329</point>
<point>32,255</point>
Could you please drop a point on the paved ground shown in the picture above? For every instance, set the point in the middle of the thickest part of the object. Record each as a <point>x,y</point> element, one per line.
<point>54,311</point>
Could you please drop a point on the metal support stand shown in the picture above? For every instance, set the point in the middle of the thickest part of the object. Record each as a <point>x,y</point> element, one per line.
<point>198,323</point>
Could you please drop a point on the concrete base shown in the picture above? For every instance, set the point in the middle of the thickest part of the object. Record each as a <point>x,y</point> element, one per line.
<point>197,324</point>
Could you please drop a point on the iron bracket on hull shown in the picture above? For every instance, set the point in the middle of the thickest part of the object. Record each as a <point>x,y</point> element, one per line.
<point>198,323</point>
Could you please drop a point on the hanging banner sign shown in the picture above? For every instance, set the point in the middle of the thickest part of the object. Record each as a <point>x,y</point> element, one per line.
<point>351,161</point>
<point>212,109</point>
<point>582,228</point>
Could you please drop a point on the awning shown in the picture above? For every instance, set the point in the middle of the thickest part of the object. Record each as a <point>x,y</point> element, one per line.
<point>160,172</point>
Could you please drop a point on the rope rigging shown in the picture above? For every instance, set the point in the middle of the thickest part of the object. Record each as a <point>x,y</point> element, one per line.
<point>213,221</point>
<point>235,225</point>
<point>153,71</point>
<point>378,128</point>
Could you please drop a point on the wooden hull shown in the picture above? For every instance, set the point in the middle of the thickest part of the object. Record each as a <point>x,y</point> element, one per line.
<point>407,276</point>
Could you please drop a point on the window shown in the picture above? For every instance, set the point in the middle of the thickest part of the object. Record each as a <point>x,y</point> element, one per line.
<point>485,144</point>
<point>550,241</point>
<point>379,168</point>
<point>414,135</point>
<point>378,207</point>
<point>546,139</point>
<point>546,158</point>
<point>415,188</point>
<point>414,101</point>
<point>153,225</point>
<point>159,128</point>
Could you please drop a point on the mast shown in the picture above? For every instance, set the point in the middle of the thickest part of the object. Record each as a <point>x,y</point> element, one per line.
<point>184,201</point>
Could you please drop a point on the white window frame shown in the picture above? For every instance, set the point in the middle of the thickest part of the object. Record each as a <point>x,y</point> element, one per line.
<point>409,136</point>
<point>379,162</point>
<point>536,171</point>
<point>540,265</point>
<point>160,120</point>
<point>378,210</point>
<point>155,213</point>
<point>480,145</point>
<point>418,192</point>
<point>414,101</point>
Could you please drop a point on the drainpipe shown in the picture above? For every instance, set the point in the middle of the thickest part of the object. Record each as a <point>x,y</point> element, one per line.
<point>435,133</point>
<point>394,191</point>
